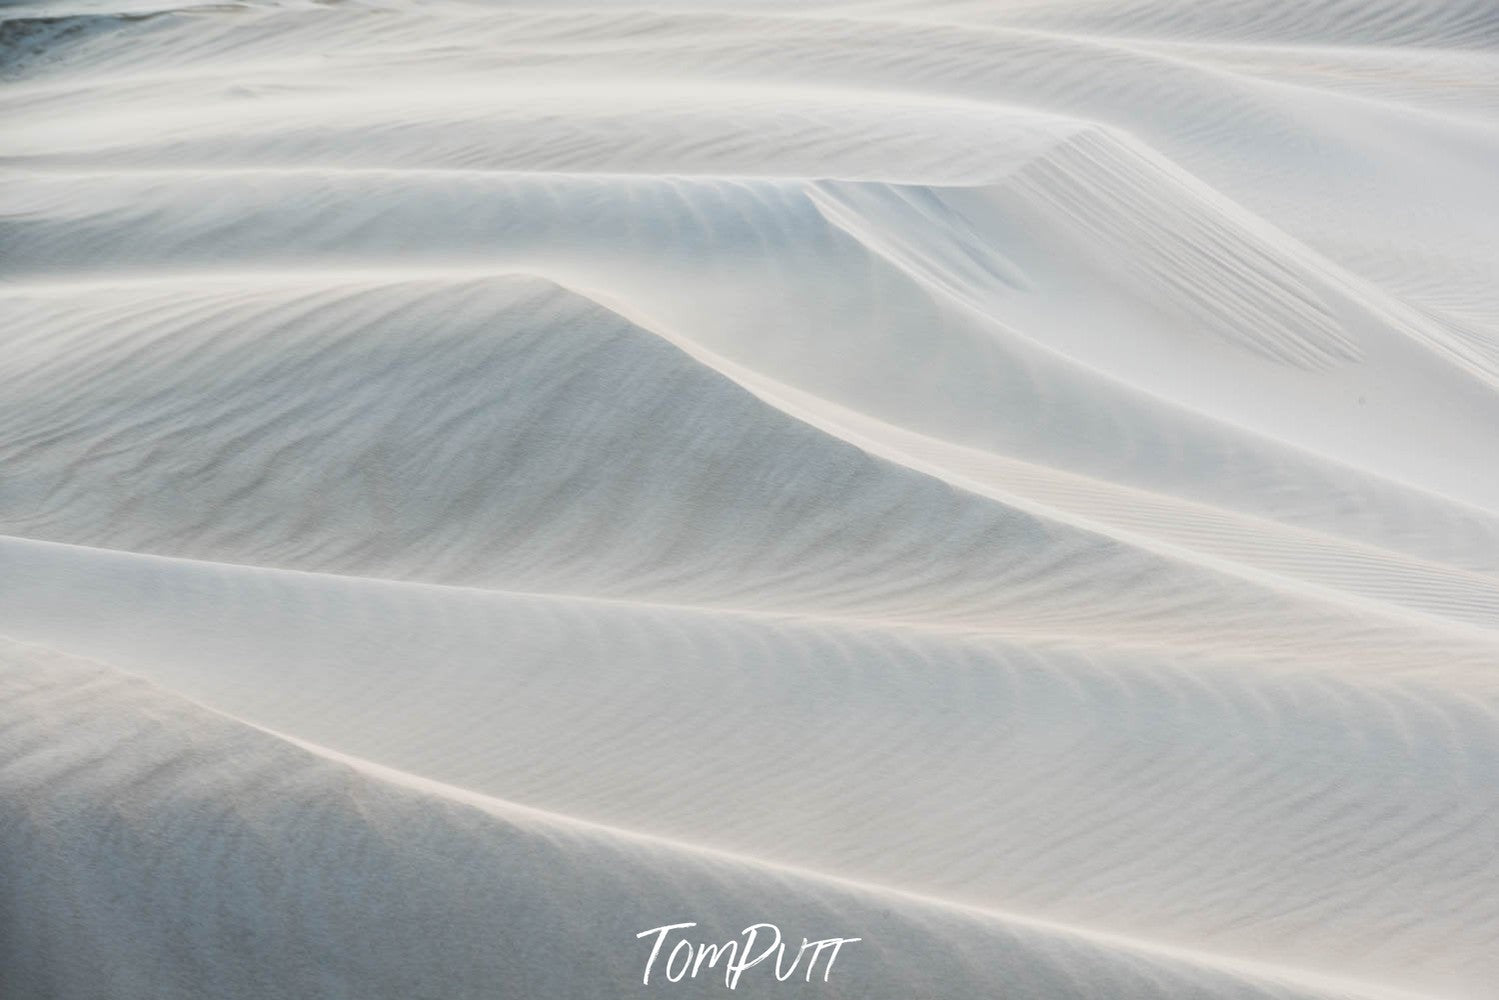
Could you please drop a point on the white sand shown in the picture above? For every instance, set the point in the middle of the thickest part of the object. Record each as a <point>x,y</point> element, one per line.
<point>1015,483</point>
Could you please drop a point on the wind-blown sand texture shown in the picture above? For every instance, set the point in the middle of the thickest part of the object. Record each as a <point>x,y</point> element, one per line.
<point>1016,483</point>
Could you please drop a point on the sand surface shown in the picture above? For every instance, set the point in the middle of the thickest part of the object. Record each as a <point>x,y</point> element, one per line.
<point>1015,483</point>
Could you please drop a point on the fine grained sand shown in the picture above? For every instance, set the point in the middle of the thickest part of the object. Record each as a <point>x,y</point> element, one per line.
<point>1014,483</point>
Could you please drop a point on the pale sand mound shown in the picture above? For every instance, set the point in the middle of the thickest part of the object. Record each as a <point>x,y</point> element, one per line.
<point>1012,483</point>
<point>313,876</point>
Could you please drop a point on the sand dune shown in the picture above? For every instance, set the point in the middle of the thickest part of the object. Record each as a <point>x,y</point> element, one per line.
<point>308,882</point>
<point>1010,483</point>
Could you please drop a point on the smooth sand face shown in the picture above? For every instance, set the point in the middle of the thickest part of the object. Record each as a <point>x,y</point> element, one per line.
<point>1014,484</point>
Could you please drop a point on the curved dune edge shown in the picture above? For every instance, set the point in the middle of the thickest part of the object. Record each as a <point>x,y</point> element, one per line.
<point>269,834</point>
<point>259,383</point>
